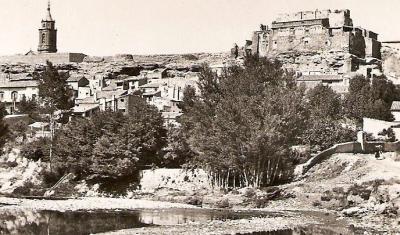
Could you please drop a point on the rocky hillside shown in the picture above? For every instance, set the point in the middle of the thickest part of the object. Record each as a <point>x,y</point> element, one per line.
<point>357,185</point>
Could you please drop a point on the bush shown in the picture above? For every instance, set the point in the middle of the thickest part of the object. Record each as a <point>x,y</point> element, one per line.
<point>36,150</point>
<point>194,200</point>
<point>261,201</point>
<point>223,203</point>
<point>24,190</point>
<point>249,192</point>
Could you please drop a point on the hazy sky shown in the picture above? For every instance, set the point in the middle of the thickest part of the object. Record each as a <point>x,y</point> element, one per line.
<point>107,27</point>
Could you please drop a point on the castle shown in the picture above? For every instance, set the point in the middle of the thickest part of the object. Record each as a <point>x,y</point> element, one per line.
<point>47,49</point>
<point>320,46</point>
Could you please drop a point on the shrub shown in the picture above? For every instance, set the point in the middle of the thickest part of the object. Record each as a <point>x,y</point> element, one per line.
<point>249,192</point>
<point>37,149</point>
<point>24,190</point>
<point>223,203</point>
<point>261,201</point>
<point>194,200</point>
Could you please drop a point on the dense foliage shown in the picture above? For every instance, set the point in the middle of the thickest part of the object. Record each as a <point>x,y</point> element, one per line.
<point>371,99</point>
<point>325,126</point>
<point>53,90</point>
<point>243,123</point>
<point>110,145</point>
<point>4,131</point>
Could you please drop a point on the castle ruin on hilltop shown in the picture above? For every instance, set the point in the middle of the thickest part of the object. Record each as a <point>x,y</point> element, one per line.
<point>320,46</point>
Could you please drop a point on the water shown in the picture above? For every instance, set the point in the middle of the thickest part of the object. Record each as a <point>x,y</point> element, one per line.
<point>24,222</point>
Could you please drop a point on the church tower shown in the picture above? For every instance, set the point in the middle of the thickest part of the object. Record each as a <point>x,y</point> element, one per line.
<point>48,34</point>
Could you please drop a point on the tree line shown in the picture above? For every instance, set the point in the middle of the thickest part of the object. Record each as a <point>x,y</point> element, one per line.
<point>241,127</point>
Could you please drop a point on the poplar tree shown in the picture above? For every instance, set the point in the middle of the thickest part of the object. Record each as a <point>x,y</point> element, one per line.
<point>55,98</point>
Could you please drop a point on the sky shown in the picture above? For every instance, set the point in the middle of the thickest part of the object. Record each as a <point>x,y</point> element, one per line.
<point>108,27</point>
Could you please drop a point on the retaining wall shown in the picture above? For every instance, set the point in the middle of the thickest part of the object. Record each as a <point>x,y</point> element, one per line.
<point>178,179</point>
<point>350,147</point>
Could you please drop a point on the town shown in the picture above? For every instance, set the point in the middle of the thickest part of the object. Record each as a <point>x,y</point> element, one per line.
<point>294,131</point>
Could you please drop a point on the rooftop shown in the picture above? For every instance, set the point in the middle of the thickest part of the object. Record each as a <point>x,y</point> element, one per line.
<point>320,77</point>
<point>84,108</point>
<point>395,106</point>
<point>19,84</point>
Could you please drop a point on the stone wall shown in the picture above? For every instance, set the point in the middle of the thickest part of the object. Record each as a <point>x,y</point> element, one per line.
<point>178,179</point>
<point>56,58</point>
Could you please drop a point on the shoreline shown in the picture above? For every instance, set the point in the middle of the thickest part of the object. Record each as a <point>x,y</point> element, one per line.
<point>287,217</point>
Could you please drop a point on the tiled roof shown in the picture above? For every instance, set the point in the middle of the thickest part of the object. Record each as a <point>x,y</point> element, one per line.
<point>87,100</point>
<point>152,93</point>
<point>152,85</point>
<point>395,106</point>
<point>110,94</point>
<point>39,124</point>
<point>19,84</point>
<point>134,78</point>
<point>84,108</point>
<point>320,77</point>
<point>75,78</point>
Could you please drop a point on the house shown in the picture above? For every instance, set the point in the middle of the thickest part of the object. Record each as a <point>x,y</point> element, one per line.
<point>134,82</point>
<point>97,83</point>
<point>85,109</point>
<point>151,90</point>
<point>40,129</point>
<point>338,83</point>
<point>76,81</point>
<point>156,74</point>
<point>117,100</point>
<point>13,91</point>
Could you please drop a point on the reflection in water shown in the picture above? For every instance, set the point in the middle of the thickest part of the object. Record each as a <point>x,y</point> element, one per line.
<point>23,222</point>
<point>85,222</point>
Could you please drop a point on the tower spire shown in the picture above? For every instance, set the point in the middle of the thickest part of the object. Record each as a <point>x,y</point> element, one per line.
<point>48,33</point>
<point>48,17</point>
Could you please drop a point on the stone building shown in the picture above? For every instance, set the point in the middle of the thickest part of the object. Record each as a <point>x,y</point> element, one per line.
<point>321,42</point>
<point>314,31</point>
<point>47,49</point>
<point>48,34</point>
<point>13,90</point>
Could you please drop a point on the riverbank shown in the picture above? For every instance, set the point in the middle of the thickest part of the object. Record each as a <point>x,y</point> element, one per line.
<point>93,203</point>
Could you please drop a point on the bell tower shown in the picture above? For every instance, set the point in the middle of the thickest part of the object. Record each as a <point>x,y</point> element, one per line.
<point>48,34</point>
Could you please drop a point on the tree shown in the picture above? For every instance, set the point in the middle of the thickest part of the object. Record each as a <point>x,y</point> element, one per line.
<point>325,126</point>
<point>178,152</point>
<point>55,98</point>
<point>243,122</point>
<point>27,106</point>
<point>110,145</point>
<point>370,99</point>
<point>326,132</point>
<point>4,131</point>
<point>53,90</point>
<point>324,102</point>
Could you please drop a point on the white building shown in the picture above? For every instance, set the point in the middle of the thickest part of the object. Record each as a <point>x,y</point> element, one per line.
<point>13,91</point>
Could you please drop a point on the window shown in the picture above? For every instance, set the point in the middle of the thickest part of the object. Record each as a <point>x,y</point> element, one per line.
<point>122,100</point>
<point>34,97</point>
<point>1,95</point>
<point>14,96</point>
<point>43,38</point>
